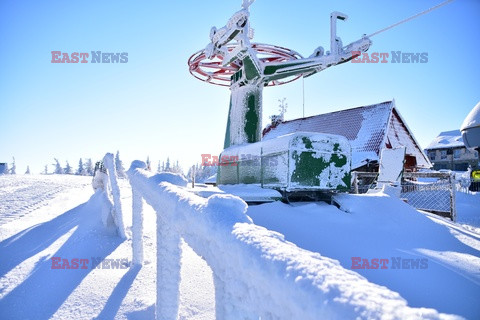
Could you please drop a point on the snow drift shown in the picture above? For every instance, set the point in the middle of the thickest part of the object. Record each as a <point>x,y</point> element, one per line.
<point>257,273</point>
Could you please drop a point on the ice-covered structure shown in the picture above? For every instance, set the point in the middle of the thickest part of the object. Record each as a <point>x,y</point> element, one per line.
<point>471,128</point>
<point>369,129</point>
<point>230,59</point>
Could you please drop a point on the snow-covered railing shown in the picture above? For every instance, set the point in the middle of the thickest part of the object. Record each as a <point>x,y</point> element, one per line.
<point>105,180</point>
<point>257,273</point>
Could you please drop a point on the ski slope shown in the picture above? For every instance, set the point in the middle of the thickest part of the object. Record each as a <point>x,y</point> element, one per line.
<point>58,217</point>
<point>42,217</point>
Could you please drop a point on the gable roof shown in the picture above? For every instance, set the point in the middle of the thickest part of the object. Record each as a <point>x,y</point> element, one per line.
<point>368,128</point>
<point>447,139</point>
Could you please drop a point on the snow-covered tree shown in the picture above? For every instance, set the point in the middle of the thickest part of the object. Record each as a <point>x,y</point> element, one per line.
<point>282,107</point>
<point>89,167</point>
<point>176,168</point>
<point>119,166</point>
<point>202,173</point>
<point>81,168</point>
<point>13,170</point>
<point>149,165</point>
<point>28,170</point>
<point>58,167</point>
<point>159,168</point>
<point>45,171</point>
<point>167,165</point>
<point>68,169</point>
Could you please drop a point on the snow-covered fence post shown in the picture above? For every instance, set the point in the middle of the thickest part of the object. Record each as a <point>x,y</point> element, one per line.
<point>257,273</point>
<point>109,164</point>
<point>168,242</point>
<point>168,271</point>
<point>355,182</point>
<point>137,228</point>
<point>137,218</point>
<point>453,209</point>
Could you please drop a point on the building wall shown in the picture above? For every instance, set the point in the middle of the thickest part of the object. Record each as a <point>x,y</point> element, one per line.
<point>457,159</point>
<point>398,135</point>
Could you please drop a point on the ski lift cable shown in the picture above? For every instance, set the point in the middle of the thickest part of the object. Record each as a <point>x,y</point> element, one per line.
<point>410,18</point>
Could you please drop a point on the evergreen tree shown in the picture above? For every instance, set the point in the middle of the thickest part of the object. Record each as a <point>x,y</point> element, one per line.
<point>202,173</point>
<point>68,169</point>
<point>58,167</point>
<point>13,170</point>
<point>81,169</point>
<point>177,169</point>
<point>46,169</point>
<point>159,168</point>
<point>119,166</point>
<point>89,167</point>
<point>149,167</point>
<point>28,170</point>
<point>167,165</point>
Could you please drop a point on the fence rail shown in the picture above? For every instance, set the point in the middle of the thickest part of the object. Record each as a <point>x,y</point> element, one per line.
<point>257,273</point>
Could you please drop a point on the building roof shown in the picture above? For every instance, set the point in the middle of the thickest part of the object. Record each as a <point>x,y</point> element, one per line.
<point>368,128</point>
<point>447,140</point>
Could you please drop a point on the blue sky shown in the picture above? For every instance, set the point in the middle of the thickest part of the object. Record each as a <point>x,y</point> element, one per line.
<point>152,106</point>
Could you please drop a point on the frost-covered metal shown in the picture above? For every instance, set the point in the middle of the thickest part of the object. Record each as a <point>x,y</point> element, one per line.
<point>231,59</point>
<point>471,128</point>
<point>301,161</point>
<point>369,129</point>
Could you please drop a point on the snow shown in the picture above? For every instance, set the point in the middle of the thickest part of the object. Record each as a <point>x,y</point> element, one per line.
<point>256,271</point>
<point>114,189</point>
<point>391,165</point>
<point>468,210</point>
<point>60,216</point>
<point>473,119</point>
<point>247,270</point>
<point>247,192</point>
<point>368,129</point>
<point>471,128</point>
<point>360,159</point>
<point>447,139</point>
<point>378,226</point>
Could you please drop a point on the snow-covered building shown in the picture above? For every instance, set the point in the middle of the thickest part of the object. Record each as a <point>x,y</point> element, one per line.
<point>448,151</point>
<point>368,128</point>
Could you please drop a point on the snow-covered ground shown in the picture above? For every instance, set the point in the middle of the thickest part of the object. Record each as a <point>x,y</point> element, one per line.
<point>381,227</point>
<point>42,217</point>
<point>56,216</point>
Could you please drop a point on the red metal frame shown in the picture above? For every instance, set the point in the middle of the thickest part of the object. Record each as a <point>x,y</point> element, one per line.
<point>212,71</point>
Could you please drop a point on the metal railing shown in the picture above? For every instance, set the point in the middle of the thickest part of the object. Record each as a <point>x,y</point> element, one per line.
<point>428,191</point>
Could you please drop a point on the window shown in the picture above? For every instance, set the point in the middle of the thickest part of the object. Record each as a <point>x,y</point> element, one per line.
<point>439,166</point>
<point>431,154</point>
<point>457,153</point>
<point>461,166</point>
<point>443,154</point>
